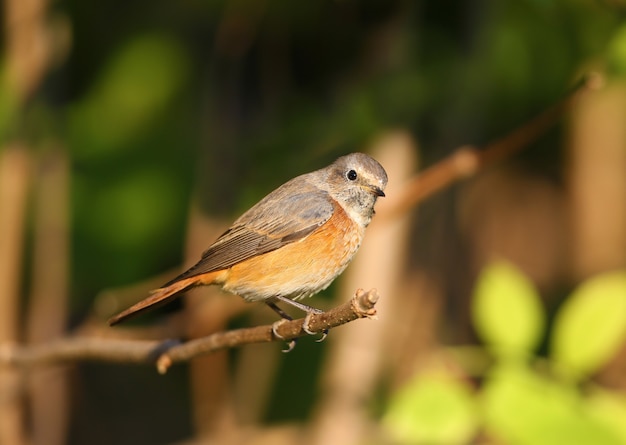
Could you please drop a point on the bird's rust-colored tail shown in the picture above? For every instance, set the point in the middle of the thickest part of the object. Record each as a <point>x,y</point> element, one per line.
<point>158,298</point>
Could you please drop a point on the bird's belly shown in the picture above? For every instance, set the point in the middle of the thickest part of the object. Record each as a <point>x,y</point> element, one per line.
<point>299,269</point>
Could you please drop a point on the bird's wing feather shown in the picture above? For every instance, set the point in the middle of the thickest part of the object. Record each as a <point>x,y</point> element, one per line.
<point>279,219</point>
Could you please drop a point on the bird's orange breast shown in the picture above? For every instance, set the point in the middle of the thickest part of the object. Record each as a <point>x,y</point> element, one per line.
<point>299,269</point>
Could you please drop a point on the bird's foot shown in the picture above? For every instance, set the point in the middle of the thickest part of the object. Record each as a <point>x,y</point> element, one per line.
<point>307,321</point>
<point>291,343</point>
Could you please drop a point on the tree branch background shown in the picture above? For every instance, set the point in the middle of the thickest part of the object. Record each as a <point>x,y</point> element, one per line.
<point>131,139</point>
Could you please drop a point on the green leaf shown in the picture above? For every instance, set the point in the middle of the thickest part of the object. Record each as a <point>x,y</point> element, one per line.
<point>523,407</point>
<point>591,325</point>
<point>134,210</point>
<point>617,52</point>
<point>433,408</point>
<point>137,84</point>
<point>507,310</point>
<point>609,408</point>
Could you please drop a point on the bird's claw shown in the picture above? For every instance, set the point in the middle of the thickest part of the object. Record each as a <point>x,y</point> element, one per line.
<point>305,326</point>
<point>291,343</point>
<point>275,326</point>
<point>323,337</point>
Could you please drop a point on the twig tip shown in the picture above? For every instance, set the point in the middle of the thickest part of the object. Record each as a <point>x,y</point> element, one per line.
<point>163,363</point>
<point>363,303</point>
<point>373,296</point>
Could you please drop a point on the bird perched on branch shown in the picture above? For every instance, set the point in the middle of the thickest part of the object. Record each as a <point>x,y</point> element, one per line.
<point>291,244</point>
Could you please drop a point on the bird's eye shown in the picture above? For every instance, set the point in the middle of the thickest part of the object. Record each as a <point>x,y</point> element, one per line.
<point>351,175</point>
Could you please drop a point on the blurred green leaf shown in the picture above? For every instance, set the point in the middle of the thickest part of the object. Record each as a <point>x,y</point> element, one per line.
<point>434,408</point>
<point>134,210</point>
<point>507,311</point>
<point>591,325</point>
<point>134,88</point>
<point>524,408</point>
<point>509,56</point>
<point>609,408</point>
<point>617,51</point>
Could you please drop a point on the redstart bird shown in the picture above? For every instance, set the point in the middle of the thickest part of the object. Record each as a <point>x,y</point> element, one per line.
<point>291,244</point>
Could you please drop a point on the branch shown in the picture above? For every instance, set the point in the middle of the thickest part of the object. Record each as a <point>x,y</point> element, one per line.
<point>468,160</point>
<point>165,353</point>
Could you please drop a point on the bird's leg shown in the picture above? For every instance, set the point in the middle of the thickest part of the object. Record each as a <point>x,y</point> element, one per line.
<point>309,312</point>
<point>284,316</point>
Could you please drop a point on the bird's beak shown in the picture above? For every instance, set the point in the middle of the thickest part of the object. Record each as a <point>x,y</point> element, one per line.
<point>376,191</point>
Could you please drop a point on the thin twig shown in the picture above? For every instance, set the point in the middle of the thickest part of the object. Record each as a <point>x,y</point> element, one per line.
<point>165,353</point>
<point>468,160</point>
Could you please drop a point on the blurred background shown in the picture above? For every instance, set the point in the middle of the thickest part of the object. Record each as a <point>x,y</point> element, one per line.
<point>133,132</point>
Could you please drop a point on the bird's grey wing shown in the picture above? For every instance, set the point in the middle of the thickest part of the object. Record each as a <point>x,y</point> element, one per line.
<point>280,218</point>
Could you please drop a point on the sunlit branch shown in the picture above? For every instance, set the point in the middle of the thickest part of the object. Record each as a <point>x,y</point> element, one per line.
<point>165,353</point>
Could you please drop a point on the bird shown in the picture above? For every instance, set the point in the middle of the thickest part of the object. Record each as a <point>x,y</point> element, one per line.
<point>291,245</point>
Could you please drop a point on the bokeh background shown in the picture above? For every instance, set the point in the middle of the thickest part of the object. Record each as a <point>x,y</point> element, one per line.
<point>133,132</point>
